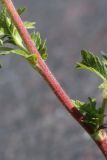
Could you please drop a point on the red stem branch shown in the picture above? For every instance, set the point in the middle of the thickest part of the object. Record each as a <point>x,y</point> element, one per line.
<point>48,76</point>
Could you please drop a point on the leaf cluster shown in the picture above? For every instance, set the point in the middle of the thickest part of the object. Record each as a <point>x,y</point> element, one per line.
<point>92,113</point>
<point>11,41</point>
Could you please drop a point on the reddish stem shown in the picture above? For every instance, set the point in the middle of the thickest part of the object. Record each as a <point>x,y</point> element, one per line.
<point>48,76</point>
<point>42,67</point>
<point>101,141</point>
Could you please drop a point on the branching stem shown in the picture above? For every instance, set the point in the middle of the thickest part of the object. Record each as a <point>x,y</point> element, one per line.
<point>51,80</point>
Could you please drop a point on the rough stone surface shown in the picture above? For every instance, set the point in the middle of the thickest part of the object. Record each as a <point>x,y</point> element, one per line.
<point>33,124</point>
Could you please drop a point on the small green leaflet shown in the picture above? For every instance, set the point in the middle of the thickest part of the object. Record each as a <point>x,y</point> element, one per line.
<point>21,10</point>
<point>7,50</point>
<point>29,25</point>
<point>92,63</point>
<point>40,44</point>
<point>93,114</point>
<point>3,26</point>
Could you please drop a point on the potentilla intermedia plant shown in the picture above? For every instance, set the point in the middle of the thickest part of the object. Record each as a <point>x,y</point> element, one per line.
<point>15,39</point>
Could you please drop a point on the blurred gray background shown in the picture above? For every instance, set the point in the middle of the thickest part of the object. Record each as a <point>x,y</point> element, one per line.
<point>33,123</point>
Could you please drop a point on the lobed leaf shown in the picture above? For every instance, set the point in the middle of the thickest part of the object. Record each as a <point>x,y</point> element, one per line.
<point>91,112</point>
<point>40,44</point>
<point>92,63</point>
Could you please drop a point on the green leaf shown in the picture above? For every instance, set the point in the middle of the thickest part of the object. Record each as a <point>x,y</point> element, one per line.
<point>40,44</point>
<point>92,63</point>
<point>91,106</point>
<point>36,39</point>
<point>20,52</point>
<point>6,51</point>
<point>43,50</point>
<point>3,25</point>
<point>21,10</point>
<point>91,112</point>
<point>29,25</point>
<point>2,31</point>
<point>17,38</point>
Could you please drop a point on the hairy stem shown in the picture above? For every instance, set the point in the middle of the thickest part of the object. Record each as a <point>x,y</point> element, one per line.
<point>48,76</point>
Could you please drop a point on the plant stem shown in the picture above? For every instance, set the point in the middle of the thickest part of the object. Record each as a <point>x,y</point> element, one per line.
<point>41,66</point>
<point>48,76</point>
